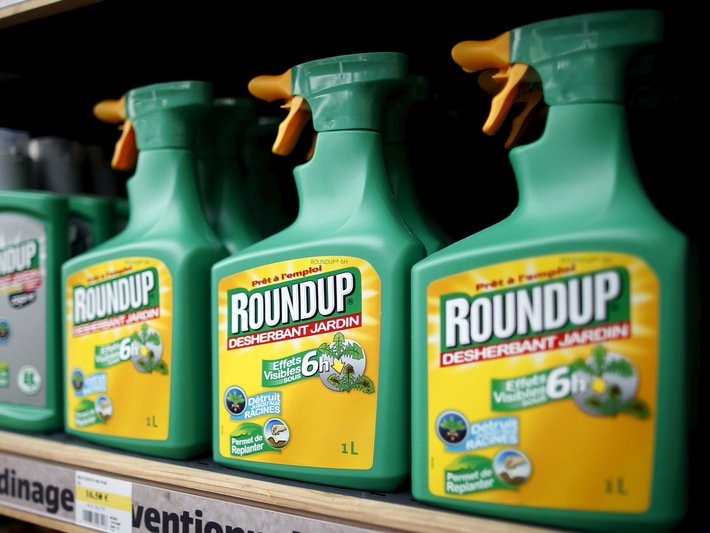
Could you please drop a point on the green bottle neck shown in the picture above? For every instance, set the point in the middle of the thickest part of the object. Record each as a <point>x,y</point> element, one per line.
<point>582,164</point>
<point>228,203</point>
<point>163,190</point>
<point>398,172</point>
<point>230,185</point>
<point>219,184</point>
<point>345,177</point>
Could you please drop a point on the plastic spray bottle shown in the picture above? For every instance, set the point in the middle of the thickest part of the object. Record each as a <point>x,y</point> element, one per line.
<point>33,246</point>
<point>136,349</point>
<point>221,177</point>
<point>58,166</point>
<point>310,329</point>
<point>267,177</point>
<point>99,176</point>
<point>105,181</point>
<point>550,350</point>
<point>399,168</point>
<point>120,209</point>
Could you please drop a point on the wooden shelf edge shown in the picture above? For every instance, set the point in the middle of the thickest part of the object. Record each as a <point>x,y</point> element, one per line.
<point>55,525</point>
<point>27,10</point>
<point>264,494</point>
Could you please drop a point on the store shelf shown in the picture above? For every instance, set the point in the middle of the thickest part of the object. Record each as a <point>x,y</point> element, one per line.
<point>443,150</point>
<point>53,459</point>
<point>17,11</point>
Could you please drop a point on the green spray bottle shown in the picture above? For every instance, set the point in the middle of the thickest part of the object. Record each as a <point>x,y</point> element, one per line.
<point>221,177</point>
<point>92,221</point>
<point>57,166</point>
<point>107,182</point>
<point>550,350</point>
<point>120,210</point>
<point>399,168</point>
<point>273,197</point>
<point>310,329</point>
<point>33,246</point>
<point>136,350</point>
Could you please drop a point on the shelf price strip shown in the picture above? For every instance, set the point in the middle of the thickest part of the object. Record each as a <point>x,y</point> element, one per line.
<point>104,503</point>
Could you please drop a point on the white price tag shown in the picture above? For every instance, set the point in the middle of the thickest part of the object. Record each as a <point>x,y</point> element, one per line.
<point>103,503</point>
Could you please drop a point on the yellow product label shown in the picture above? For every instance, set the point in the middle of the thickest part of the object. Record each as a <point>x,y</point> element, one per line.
<point>542,379</point>
<point>118,331</point>
<point>298,363</point>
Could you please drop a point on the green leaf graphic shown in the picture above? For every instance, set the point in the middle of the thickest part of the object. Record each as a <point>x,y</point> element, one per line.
<point>636,407</point>
<point>599,355</point>
<point>580,365</point>
<point>365,384</point>
<point>353,351</point>
<point>468,462</point>
<point>620,368</point>
<point>154,338</point>
<point>247,429</point>
<point>339,342</point>
<point>85,405</point>
<point>161,366</point>
<point>235,397</point>
<point>324,348</point>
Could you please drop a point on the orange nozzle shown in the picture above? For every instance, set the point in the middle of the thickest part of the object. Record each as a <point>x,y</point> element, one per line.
<point>111,111</point>
<point>473,56</point>
<point>271,88</point>
<point>126,151</point>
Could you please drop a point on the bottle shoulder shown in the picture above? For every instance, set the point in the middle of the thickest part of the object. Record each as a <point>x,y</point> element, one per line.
<point>174,253</point>
<point>41,204</point>
<point>288,246</point>
<point>516,239</point>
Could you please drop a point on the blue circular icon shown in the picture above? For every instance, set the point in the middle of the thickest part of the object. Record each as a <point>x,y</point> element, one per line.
<point>77,379</point>
<point>452,427</point>
<point>235,400</point>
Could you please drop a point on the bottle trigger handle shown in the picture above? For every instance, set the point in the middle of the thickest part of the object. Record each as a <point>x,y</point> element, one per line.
<point>271,88</point>
<point>125,153</point>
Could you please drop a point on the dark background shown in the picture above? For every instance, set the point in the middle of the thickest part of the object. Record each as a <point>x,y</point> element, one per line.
<point>53,71</point>
<point>66,63</point>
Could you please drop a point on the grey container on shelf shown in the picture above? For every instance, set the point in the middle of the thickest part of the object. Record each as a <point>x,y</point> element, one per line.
<point>57,164</point>
<point>15,164</point>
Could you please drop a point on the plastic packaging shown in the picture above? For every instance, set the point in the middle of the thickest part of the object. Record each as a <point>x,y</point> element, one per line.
<point>136,343</point>
<point>550,350</point>
<point>33,245</point>
<point>310,341</point>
